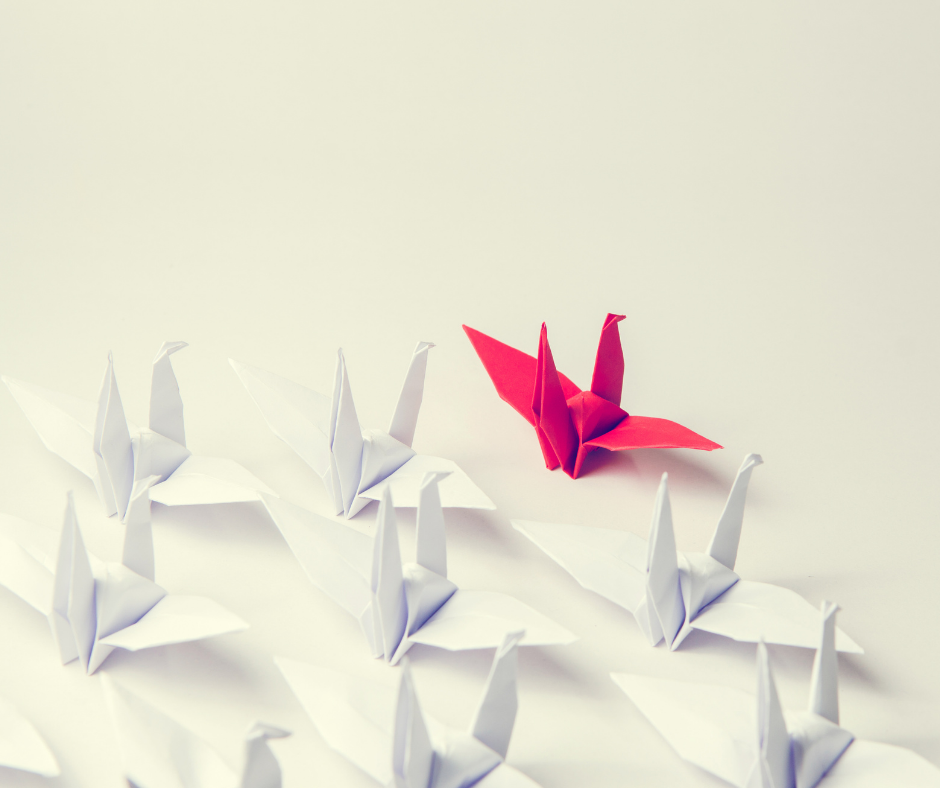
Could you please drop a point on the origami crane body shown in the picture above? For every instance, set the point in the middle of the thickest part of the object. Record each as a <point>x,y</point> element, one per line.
<point>672,593</point>
<point>21,746</point>
<point>130,466</point>
<point>387,736</point>
<point>96,607</point>
<point>756,745</point>
<point>571,423</point>
<point>158,752</point>
<point>356,465</point>
<point>400,605</point>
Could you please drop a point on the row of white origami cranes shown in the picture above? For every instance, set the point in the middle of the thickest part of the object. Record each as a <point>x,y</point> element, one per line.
<point>94,607</point>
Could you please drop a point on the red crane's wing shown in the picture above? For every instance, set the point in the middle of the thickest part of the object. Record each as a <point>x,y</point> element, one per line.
<point>645,432</point>
<point>512,372</point>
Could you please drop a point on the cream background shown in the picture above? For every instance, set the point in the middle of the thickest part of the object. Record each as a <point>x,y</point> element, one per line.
<point>756,188</point>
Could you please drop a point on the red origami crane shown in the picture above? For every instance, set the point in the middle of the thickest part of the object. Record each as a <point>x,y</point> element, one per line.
<point>571,423</point>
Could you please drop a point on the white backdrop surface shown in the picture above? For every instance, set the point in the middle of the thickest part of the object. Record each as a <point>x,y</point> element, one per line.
<point>756,188</point>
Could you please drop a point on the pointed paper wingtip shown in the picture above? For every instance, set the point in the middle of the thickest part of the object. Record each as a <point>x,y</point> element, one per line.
<point>477,338</point>
<point>243,370</point>
<point>828,609</point>
<point>613,319</point>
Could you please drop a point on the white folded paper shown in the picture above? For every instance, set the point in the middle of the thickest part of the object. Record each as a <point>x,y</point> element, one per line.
<point>386,734</point>
<point>96,607</point>
<point>129,465</point>
<point>158,752</point>
<point>21,746</point>
<point>357,465</point>
<point>671,593</point>
<point>751,743</point>
<point>400,605</point>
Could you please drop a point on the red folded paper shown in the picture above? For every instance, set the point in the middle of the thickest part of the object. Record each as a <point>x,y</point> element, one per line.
<point>571,423</point>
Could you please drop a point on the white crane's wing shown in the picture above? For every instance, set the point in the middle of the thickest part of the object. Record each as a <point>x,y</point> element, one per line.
<point>711,726</point>
<point>27,567</point>
<point>610,563</point>
<point>176,619</point>
<point>354,716</point>
<point>336,558</point>
<point>749,611</point>
<point>65,424</point>
<point>21,746</point>
<point>481,619</point>
<point>297,415</point>
<point>505,776</point>
<point>205,480</point>
<point>457,490</point>
<point>156,751</point>
<point>869,764</point>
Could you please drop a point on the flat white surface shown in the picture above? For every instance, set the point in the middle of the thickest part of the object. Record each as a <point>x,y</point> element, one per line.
<point>756,188</point>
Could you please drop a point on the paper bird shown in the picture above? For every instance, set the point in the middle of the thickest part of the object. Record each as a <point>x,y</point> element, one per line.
<point>95,607</point>
<point>752,743</point>
<point>357,465</point>
<point>398,606</point>
<point>158,752</point>
<point>387,736</point>
<point>130,466</point>
<point>671,593</point>
<point>571,423</point>
<point>21,746</point>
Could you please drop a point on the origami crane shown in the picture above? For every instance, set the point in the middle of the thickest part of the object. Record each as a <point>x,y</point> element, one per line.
<point>398,606</point>
<point>158,752</point>
<point>95,607</point>
<point>671,593</point>
<point>756,745</point>
<point>571,423</point>
<point>357,465</point>
<point>391,740</point>
<point>130,466</point>
<point>21,746</point>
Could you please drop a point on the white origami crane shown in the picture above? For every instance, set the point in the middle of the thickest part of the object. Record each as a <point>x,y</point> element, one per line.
<point>158,752</point>
<point>21,746</point>
<point>131,466</point>
<point>392,741</point>
<point>357,465</point>
<point>398,606</point>
<point>96,607</point>
<point>751,743</point>
<point>671,593</point>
